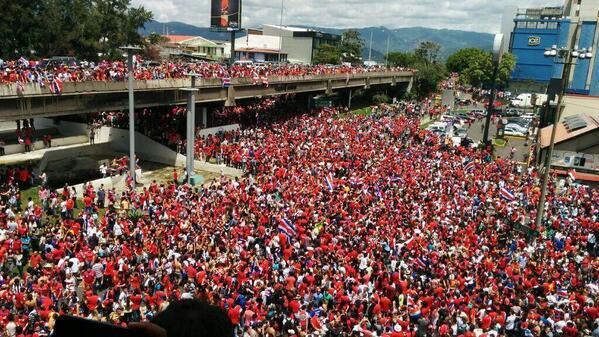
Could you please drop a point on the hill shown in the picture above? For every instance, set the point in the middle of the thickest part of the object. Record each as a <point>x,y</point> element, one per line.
<point>400,39</point>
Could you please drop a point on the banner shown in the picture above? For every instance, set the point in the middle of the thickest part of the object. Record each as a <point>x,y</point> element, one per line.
<point>225,15</point>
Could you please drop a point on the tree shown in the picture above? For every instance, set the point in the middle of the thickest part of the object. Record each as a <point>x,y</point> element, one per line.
<point>401,59</point>
<point>327,54</point>
<point>463,58</point>
<point>428,51</point>
<point>428,77</point>
<point>83,28</point>
<point>351,46</point>
<point>480,69</point>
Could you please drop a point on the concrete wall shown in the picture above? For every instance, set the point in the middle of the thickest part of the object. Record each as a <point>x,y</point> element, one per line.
<point>212,131</point>
<point>298,49</point>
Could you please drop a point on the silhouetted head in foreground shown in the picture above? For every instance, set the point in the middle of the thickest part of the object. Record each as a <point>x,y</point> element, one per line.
<point>194,318</point>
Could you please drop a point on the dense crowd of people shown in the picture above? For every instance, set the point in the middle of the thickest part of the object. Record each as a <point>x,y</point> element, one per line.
<point>30,71</point>
<point>354,226</point>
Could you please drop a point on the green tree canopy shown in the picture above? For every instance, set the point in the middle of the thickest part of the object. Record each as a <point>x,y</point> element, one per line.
<point>463,58</point>
<point>327,54</point>
<point>88,29</point>
<point>428,50</point>
<point>402,59</point>
<point>479,70</point>
<point>351,46</point>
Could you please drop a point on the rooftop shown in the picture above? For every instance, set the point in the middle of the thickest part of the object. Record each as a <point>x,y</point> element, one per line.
<point>569,128</point>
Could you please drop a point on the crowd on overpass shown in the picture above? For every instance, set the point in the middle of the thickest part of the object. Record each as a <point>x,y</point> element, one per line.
<point>29,71</point>
<point>354,226</point>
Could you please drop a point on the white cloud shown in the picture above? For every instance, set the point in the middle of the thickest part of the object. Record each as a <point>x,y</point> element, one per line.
<point>474,15</point>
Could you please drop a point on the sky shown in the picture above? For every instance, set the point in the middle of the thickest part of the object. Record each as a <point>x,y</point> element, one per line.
<point>472,15</point>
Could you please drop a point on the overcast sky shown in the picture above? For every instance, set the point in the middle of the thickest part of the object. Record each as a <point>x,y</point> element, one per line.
<point>473,15</point>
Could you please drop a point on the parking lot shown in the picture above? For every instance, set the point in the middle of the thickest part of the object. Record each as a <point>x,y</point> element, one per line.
<point>515,138</point>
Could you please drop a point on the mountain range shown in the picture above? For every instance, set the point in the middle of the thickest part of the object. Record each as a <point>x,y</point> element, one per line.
<point>400,39</point>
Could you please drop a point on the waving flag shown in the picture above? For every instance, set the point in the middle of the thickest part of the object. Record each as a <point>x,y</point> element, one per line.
<point>264,81</point>
<point>23,62</point>
<point>421,262</point>
<point>506,194</point>
<point>226,82</point>
<point>20,88</point>
<point>56,87</point>
<point>572,174</point>
<point>377,191</point>
<point>287,227</point>
<point>329,182</point>
<point>469,166</point>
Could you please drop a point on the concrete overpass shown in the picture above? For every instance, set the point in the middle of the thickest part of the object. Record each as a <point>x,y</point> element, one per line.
<point>86,97</point>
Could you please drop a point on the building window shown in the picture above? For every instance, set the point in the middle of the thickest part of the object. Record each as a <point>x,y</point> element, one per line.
<point>521,24</point>
<point>531,25</point>
<point>552,25</point>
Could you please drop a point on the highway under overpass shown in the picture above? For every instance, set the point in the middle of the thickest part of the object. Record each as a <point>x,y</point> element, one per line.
<point>93,96</point>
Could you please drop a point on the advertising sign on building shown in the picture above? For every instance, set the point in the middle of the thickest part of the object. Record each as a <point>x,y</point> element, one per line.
<point>225,15</point>
<point>534,41</point>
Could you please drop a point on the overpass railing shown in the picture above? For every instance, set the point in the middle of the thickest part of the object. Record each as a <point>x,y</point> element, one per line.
<point>77,88</point>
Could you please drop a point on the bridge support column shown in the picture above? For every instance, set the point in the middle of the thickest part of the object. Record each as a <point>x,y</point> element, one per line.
<point>191,113</point>
<point>349,100</point>
<point>409,88</point>
<point>204,117</point>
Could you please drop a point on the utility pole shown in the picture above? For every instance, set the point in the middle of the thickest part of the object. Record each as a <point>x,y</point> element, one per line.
<point>232,59</point>
<point>497,55</point>
<point>280,32</point>
<point>387,54</point>
<point>370,49</point>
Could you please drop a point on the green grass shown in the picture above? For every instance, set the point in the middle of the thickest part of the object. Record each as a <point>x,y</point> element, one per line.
<point>32,193</point>
<point>499,142</point>
<point>425,125</point>
<point>367,111</point>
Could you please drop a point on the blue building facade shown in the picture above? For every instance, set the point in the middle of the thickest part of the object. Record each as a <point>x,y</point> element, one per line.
<point>532,35</point>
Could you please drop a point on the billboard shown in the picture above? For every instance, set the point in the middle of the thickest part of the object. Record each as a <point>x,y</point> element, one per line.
<point>225,15</point>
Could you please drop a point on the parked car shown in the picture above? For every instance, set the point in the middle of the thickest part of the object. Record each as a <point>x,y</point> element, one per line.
<point>512,130</point>
<point>460,132</point>
<point>511,112</point>
<point>478,112</point>
<point>464,116</point>
<point>525,123</point>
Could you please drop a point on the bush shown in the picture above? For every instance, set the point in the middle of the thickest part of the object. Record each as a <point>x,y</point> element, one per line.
<point>380,99</point>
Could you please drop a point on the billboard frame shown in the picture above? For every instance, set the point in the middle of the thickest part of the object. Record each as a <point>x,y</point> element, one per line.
<point>227,29</point>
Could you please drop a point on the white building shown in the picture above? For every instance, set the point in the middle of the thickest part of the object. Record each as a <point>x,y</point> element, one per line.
<point>259,48</point>
<point>300,44</point>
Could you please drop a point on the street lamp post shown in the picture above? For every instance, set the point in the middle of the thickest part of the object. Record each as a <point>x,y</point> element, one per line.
<point>130,51</point>
<point>497,55</point>
<point>568,55</point>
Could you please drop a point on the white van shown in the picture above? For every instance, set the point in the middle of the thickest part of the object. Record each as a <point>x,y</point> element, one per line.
<point>243,63</point>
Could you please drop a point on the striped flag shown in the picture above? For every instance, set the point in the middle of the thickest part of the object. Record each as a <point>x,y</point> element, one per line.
<point>469,166</point>
<point>23,62</point>
<point>329,110</point>
<point>507,194</point>
<point>377,191</point>
<point>56,87</point>
<point>287,227</point>
<point>562,292</point>
<point>226,82</point>
<point>20,88</point>
<point>421,262</point>
<point>572,174</point>
<point>329,182</point>
<point>264,81</point>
